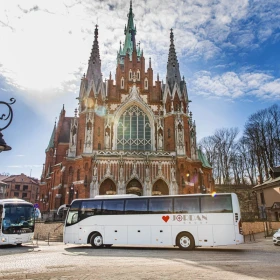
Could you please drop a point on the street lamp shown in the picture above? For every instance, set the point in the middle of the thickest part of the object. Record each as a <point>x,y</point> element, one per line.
<point>9,118</point>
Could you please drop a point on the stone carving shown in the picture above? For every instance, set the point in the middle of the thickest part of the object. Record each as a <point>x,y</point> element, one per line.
<point>107,140</point>
<point>173,174</point>
<point>108,171</point>
<point>160,141</point>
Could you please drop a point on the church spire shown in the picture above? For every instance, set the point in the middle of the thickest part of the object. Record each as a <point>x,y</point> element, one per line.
<point>173,71</point>
<point>130,32</point>
<point>94,64</point>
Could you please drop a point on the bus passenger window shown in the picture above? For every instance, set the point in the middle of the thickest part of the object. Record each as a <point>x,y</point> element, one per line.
<point>160,205</point>
<point>136,206</point>
<point>218,204</point>
<point>186,205</point>
<point>113,207</point>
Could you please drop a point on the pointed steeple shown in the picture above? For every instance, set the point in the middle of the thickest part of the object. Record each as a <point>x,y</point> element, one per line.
<point>130,32</point>
<point>173,71</point>
<point>94,64</point>
<point>51,142</point>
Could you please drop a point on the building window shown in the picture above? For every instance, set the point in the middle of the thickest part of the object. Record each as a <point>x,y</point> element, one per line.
<point>17,187</point>
<point>138,75</point>
<point>78,175</point>
<point>16,194</point>
<point>134,130</point>
<point>25,188</point>
<point>168,133</point>
<point>130,74</point>
<point>122,82</point>
<point>146,83</point>
<point>24,195</point>
<point>99,146</point>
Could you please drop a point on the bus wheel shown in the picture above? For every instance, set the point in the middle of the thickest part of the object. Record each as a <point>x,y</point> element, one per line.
<point>185,241</point>
<point>96,240</point>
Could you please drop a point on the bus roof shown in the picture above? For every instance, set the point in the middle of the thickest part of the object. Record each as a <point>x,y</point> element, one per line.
<point>119,196</point>
<point>108,196</point>
<point>13,200</point>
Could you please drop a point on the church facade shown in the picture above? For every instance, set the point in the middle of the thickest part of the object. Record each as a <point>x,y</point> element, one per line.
<point>130,134</point>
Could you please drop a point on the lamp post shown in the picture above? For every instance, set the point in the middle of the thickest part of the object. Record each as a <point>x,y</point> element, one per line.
<point>9,118</point>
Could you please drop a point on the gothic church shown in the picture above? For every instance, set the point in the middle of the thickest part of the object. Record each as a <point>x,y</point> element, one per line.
<point>129,135</point>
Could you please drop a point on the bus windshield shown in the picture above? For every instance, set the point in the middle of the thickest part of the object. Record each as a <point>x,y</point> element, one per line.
<point>18,218</point>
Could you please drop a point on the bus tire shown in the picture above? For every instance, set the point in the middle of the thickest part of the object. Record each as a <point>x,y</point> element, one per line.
<point>185,241</point>
<point>96,240</point>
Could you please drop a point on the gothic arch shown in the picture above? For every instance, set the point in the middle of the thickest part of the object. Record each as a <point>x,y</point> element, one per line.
<point>134,186</point>
<point>160,187</point>
<point>108,186</point>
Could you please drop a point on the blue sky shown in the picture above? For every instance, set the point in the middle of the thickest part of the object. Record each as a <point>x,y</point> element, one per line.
<point>228,53</point>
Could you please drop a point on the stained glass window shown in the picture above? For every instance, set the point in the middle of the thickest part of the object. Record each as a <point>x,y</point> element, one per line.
<point>134,130</point>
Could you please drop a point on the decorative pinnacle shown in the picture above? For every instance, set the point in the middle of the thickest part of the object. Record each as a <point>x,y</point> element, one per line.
<point>171,36</point>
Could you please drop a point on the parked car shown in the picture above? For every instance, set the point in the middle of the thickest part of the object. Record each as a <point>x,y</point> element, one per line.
<point>276,237</point>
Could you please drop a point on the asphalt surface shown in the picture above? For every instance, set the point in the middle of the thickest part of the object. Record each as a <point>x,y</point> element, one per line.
<point>257,258</point>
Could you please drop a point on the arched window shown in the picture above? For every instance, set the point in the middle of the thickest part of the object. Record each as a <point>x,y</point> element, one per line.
<point>138,75</point>
<point>122,82</point>
<point>134,130</point>
<point>146,83</point>
<point>130,74</point>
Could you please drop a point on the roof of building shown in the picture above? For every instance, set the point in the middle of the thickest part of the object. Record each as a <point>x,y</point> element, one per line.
<point>15,177</point>
<point>51,142</point>
<point>268,183</point>
<point>203,159</point>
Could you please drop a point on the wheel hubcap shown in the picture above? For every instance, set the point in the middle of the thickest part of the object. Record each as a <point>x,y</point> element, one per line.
<point>185,241</point>
<point>98,241</point>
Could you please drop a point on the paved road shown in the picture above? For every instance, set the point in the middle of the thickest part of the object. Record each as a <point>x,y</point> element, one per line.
<point>252,260</point>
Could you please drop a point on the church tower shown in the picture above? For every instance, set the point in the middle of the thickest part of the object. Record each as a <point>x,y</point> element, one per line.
<point>130,134</point>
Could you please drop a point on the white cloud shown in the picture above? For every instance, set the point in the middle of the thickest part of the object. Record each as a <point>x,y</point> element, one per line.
<point>45,45</point>
<point>236,85</point>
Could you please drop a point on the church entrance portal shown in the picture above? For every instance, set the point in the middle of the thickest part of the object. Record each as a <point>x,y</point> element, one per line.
<point>134,187</point>
<point>107,187</point>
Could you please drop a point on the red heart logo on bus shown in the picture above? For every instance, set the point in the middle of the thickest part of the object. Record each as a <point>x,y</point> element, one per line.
<point>165,218</point>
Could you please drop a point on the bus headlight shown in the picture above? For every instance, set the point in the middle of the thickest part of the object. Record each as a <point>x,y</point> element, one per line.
<point>4,239</point>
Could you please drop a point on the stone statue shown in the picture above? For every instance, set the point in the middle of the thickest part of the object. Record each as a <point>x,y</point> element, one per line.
<point>173,174</point>
<point>180,136</point>
<point>94,170</point>
<point>147,172</point>
<point>74,138</point>
<point>107,140</point>
<point>134,172</point>
<point>121,173</point>
<point>108,171</point>
<point>88,137</point>
<point>160,141</point>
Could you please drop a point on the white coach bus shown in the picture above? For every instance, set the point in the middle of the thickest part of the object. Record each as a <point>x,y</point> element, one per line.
<point>17,221</point>
<point>187,221</point>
